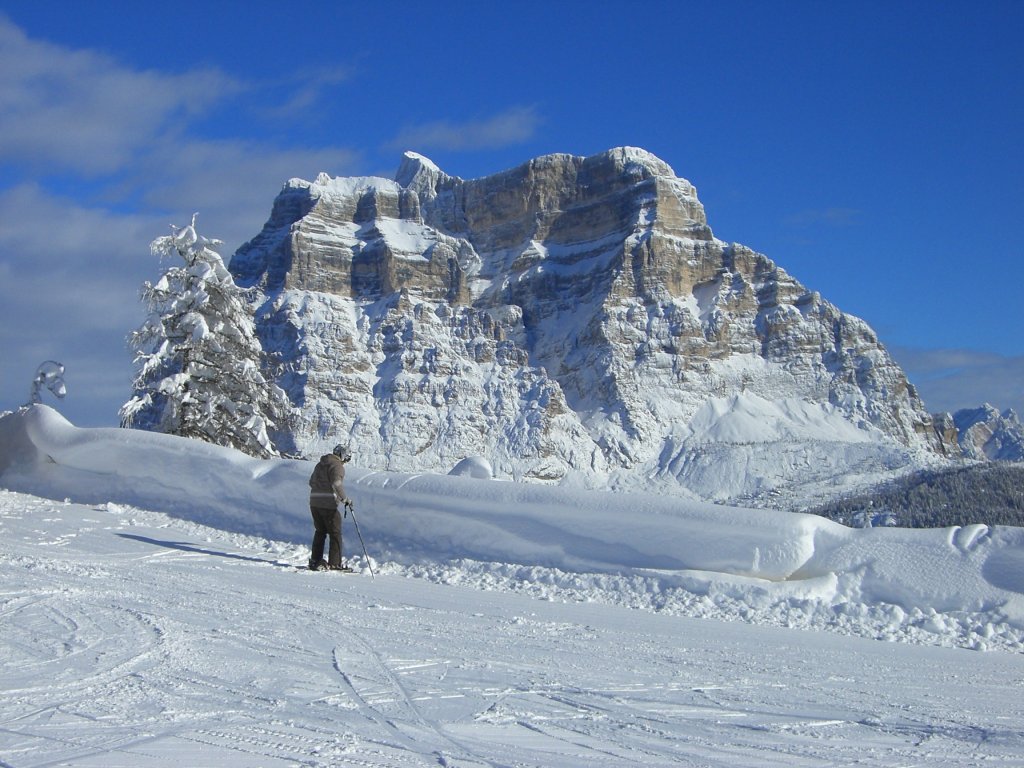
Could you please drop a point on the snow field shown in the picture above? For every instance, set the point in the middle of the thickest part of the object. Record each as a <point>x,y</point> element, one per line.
<point>133,638</point>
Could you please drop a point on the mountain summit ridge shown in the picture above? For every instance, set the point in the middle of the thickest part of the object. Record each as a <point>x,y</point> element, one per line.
<point>568,319</point>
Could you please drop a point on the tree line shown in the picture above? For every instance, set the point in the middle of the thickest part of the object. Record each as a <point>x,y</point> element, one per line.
<point>988,493</point>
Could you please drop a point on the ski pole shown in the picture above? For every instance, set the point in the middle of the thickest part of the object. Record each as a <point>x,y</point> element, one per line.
<point>350,507</point>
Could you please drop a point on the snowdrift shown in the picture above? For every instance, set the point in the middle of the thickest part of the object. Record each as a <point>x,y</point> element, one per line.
<point>967,580</point>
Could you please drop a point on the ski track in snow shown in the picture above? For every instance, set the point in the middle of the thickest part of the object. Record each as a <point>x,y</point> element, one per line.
<point>130,638</point>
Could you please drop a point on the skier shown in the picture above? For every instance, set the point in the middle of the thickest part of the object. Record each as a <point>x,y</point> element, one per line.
<point>326,492</point>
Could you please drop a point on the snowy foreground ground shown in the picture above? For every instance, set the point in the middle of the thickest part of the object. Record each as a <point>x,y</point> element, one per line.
<point>153,613</point>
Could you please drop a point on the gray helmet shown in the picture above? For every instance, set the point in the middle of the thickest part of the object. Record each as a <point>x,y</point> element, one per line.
<point>342,452</point>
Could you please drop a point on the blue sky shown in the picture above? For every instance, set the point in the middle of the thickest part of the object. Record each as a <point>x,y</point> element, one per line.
<point>872,149</point>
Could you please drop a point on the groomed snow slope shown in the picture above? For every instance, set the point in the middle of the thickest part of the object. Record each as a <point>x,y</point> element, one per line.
<point>155,614</point>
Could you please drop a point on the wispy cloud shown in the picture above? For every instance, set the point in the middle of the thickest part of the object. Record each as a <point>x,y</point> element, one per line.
<point>80,111</point>
<point>952,379</point>
<point>306,89</point>
<point>513,126</point>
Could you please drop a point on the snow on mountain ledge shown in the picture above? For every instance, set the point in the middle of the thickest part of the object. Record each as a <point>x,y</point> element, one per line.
<point>567,319</point>
<point>953,586</point>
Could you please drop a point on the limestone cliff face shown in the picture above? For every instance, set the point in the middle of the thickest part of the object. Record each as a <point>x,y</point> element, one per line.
<point>568,317</point>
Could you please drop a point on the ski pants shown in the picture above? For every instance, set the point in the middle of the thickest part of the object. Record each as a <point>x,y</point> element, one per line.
<point>326,522</point>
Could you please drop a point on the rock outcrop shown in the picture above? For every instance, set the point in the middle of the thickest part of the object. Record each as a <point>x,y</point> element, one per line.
<point>565,319</point>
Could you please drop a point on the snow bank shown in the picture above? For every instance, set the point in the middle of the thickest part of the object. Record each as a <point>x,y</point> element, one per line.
<point>964,581</point>
<point>43,454</point>
<point>423,516</point>
<point>473,466</point>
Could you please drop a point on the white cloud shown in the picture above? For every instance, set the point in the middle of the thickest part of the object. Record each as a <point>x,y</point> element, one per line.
<point>80,111</point>
<point>513,126</point>
<point>57,247</point>
<point>44,229</point>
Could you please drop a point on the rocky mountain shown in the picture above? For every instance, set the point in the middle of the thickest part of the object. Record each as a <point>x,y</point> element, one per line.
<point>987,434</point>
<point>573,319</point>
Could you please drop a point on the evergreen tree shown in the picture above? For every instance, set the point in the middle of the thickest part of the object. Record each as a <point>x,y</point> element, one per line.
<point>199,359</point>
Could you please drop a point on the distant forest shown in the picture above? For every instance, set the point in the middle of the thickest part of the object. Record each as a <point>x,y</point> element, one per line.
<point>991,493</point>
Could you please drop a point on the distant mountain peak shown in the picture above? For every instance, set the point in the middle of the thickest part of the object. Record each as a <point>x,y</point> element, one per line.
<point>987,434</point>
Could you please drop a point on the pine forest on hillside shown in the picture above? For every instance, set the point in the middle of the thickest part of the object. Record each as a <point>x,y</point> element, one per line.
<point>991,494</point>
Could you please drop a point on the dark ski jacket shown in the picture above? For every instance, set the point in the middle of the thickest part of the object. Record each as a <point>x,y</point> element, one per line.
<point>326,484</point>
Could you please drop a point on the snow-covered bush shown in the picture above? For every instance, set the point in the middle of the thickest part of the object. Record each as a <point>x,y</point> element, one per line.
<point>199,359</point>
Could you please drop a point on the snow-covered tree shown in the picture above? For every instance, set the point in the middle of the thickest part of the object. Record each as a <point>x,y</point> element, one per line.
<point>199,359</point>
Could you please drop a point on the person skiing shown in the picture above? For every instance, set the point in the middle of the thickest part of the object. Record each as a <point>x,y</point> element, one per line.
<point>326,492</point>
